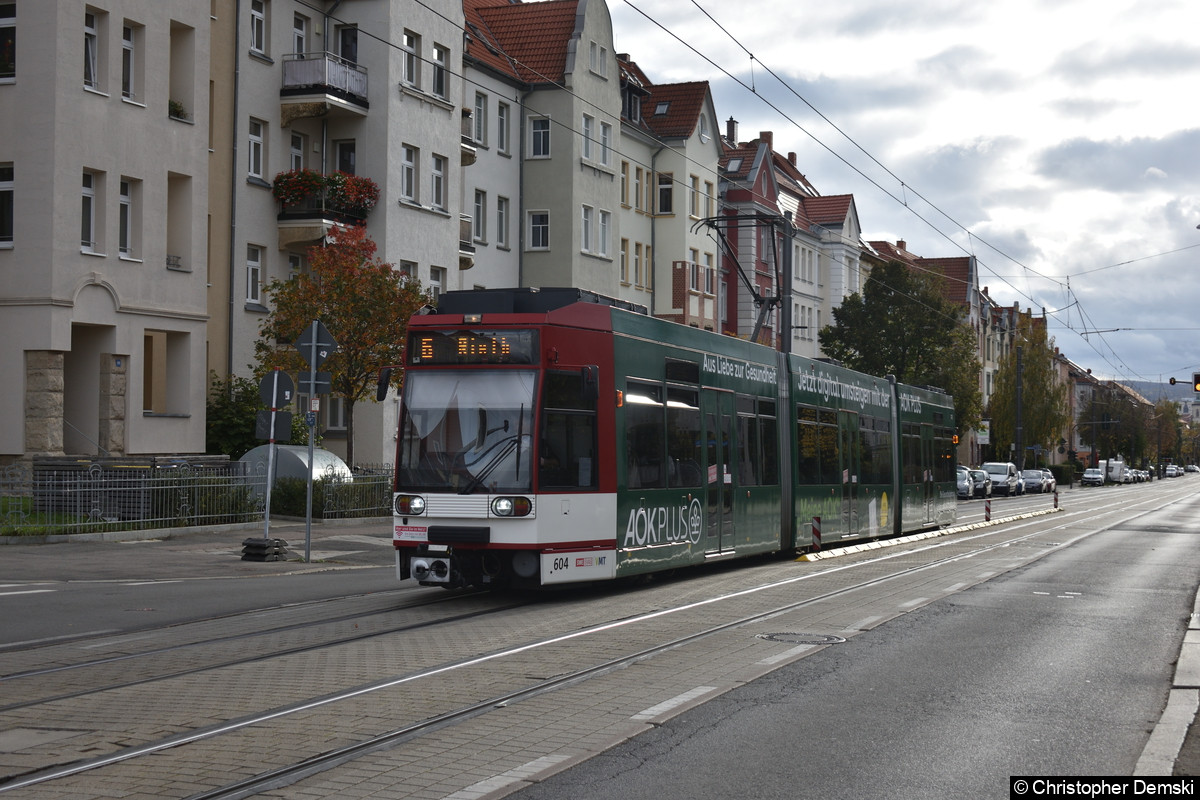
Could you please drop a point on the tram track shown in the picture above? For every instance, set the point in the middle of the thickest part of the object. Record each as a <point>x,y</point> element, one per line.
<point>445,707</point>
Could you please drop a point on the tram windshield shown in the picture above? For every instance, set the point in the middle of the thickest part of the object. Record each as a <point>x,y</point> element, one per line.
<point>467,431</point>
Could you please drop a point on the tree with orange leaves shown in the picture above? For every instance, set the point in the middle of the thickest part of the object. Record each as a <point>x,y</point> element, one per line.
<point>364,302</point>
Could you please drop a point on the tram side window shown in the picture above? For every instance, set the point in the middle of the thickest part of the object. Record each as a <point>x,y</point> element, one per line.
<point>768,429</point>
<point>567,451</point>
<point>747,428</point>
<point>946,455</point>
<point>684,445</point>
<point>808,438</point>
<point>910,454</point>
<point>877,450</point>
<point>644,427</point>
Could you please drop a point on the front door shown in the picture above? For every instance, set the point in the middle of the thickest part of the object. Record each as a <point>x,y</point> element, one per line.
<point>719,463</point>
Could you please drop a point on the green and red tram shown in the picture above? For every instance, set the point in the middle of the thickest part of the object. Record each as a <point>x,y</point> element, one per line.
<point>557,436</point>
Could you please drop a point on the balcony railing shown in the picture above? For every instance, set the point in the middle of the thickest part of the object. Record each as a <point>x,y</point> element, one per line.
<point>304,73</point>
<point>320,205</point>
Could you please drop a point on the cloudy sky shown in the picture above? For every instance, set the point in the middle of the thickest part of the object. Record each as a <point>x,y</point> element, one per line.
<point>1056,140</point>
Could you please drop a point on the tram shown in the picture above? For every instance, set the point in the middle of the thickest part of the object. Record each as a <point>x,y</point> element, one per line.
<point>557,436</point>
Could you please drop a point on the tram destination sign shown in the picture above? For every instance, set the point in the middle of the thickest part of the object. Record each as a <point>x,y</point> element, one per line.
<point>473,346</point>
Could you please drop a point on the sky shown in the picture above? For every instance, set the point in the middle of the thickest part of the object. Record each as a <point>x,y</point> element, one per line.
<point>1058,141</point>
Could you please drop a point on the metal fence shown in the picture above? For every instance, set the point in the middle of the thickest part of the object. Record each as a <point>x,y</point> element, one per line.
<point>65,496</point>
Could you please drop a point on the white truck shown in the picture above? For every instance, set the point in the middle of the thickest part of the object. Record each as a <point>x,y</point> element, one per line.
<point>1113,469</point>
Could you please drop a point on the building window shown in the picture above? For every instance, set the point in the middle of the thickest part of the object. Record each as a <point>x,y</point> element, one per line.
<point>6,204</point>
<point>605,223</point>
<point>87,230</point>
<point>589,131</point>
<point>502,212</point>
<point>539,137</point>
<point>347,39</point>
<point>624,261</point>
<point>128,218</point>
<point>606,143</point>
<point>440,55</point>
<point>258,26</point>
<point>637,188</point>
<point>480,119</point>
<point>408,269</point>
<point>637,263</point>
<point>502,123</point>
<point>539,230</point>
<point>91,54</point>
<point>710,275</point>
<point>437,282</point>
<point>257,150</point>
<point>299,34</point>
<point>709,198</point>
<point>411,47</point>
<point>625,183</point>
<point>253,273</point>
<point>666,186</point>
<point>585,229</point>
<point>296,149</point>
<point>8,41</point>
<point>598,59</point>
<point>129,62</point>
<point>296,266</point>
<point>438,185</point>
<point>408,174</point>
<point>479,222</point>
<point>694,197</point>
<point>346,152</point>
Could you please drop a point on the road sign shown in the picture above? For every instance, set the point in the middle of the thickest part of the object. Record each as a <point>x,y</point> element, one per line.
<point>275,389</point>
<point>320,383</point>
<point>316,344</point>
<point>283,426</point>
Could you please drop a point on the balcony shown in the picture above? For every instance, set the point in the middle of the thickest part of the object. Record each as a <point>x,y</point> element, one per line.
<point>310,203</point>
<point>316,84</point>
<point>467,146</point>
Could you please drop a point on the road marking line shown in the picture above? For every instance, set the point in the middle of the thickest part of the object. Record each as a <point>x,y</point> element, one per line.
<point>516,775</point>
<point>27,591</point>
<point>786,654</point>
<point>674,702</point>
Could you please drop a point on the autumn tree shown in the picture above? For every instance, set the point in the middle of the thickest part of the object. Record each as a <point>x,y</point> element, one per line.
<point>1043,394</point>
<point>365,303</point>
<point>902,324</point>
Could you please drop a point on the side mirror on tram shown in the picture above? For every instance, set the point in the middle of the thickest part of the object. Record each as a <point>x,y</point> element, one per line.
<point>385,379</point>
<point>590,382</point>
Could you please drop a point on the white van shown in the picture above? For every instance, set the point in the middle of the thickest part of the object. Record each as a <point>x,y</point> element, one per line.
<point>1004,476</point>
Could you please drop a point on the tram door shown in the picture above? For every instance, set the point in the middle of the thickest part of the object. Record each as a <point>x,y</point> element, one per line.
<point>928,486</point>
<point>719,462</point>
<point>850,463</point>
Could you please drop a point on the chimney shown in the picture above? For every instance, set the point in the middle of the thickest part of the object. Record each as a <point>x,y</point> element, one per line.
<point>731,130</point>
<point>792,158</point>
<point>901,245</point>
<point>768,138</point>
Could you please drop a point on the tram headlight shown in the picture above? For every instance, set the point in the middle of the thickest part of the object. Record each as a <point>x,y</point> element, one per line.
<point>409,505</point>
<point>512,506</point>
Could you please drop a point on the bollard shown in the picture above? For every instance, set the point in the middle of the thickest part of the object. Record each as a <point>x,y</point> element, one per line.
<point>987,510</point>
<point>1056,498</point>
<point>816,531</point>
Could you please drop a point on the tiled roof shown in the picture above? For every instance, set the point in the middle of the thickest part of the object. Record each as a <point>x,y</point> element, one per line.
<point>533,35</point>
<point>746,154</point>
<point>957,272</point>
<point>683,104</point>
<point>828,209</point>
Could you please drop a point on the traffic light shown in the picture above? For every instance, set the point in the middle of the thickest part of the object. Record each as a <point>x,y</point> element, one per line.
<point>1196,381</point>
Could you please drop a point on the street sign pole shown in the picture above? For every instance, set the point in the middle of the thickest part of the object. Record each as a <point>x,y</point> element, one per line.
<point>271,454</point>
<point>315,345</point>
<point>312,382</point>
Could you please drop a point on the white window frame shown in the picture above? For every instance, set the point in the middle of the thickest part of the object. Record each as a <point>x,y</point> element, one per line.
<point>335,418</point>
<point>624,259</point>
<point>665,188</point>
<point>125,219</point>
<point>7,205</point>
<point>299,34</point>
<point>503,206</point>
<point>8,34</point>
<point>410,46</point>
<point>258,26</point>
<point>539,223</point>
<point>441,76</point>
<point>603,228</point>
<point>91,55</point>
<point>479,132</point>
<point>129,62</point>
<point>539,137</point>
<point>87,238</point>
<point>437,195</point>
<point>694,196</point>
<point>437,281</point>
<point>503,139</point>
<point>408,173</point>
<point>598,59</point>
<point>479,220</point>
<point>254,255</point>
<point>256,154</point>
<point>588,132</point>
<point>587,230</point>
<point>296,266</point>
<point>606,138</point>
<point>297,146</point>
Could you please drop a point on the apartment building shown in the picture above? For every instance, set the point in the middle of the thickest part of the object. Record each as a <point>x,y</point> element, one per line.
<point>104,156</point>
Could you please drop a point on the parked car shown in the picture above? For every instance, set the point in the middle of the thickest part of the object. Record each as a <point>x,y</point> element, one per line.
<point>1035,481</point>
<point>1004,477</point>
<point>1172,471</point>
<point>1051,483</point>
<point>981,483</point>
<point>1092,477</point>
<point>966,487</point>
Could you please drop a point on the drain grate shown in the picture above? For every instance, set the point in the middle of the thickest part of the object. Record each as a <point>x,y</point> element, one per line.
<point>801,638</point>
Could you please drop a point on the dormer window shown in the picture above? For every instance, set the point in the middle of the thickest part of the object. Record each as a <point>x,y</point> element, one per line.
<point>704,136</point>
<point>661,108</point>
<point>734,165</point>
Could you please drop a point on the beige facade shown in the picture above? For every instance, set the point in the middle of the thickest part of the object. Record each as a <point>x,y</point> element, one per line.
<point>104,150</point>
